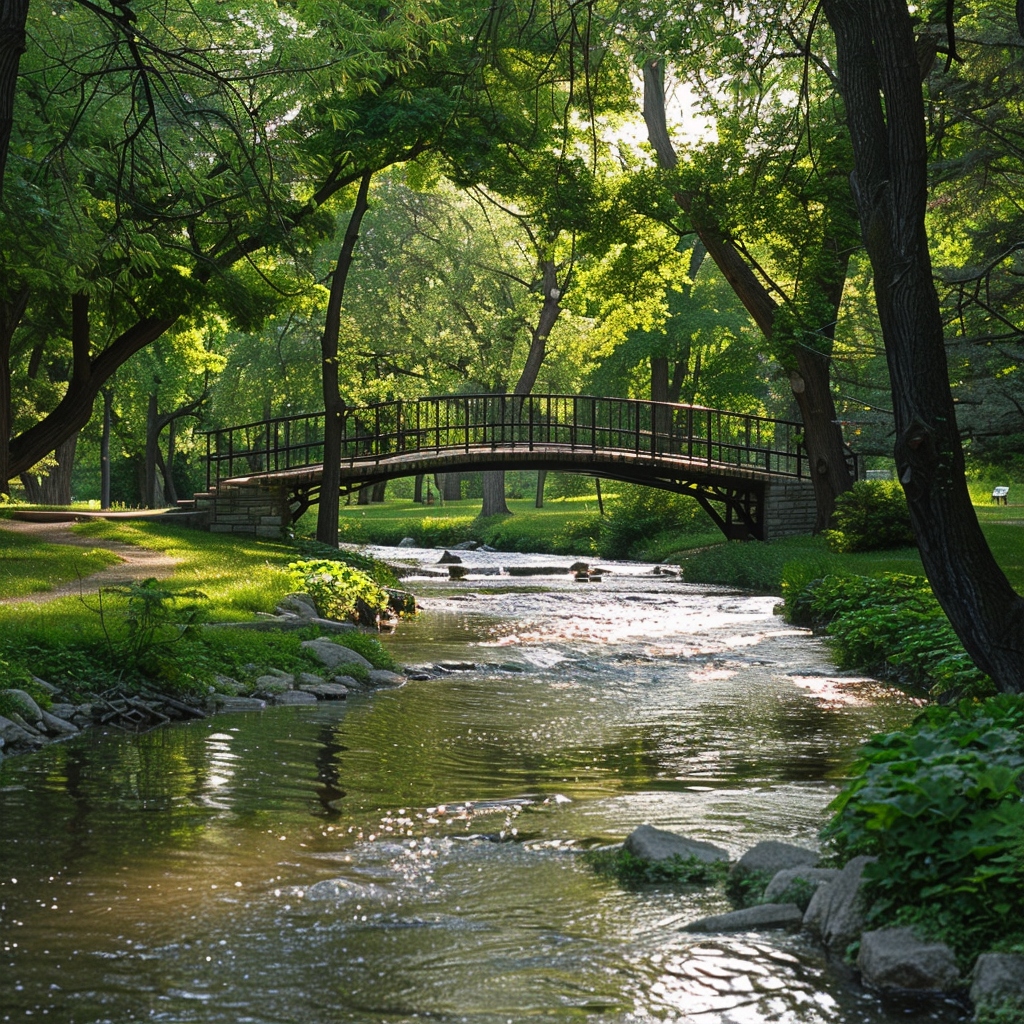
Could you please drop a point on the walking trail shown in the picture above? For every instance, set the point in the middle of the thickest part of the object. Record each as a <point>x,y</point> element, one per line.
<point>136,563</point>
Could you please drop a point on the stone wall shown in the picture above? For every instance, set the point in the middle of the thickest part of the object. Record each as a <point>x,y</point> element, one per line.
<point>255,510</point>
<point>789,509</point>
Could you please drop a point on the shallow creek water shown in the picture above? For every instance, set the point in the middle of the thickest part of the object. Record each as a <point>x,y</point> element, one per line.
<point>414,854</point>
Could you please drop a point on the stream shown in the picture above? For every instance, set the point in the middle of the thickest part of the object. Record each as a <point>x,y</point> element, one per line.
<point>415,854</point>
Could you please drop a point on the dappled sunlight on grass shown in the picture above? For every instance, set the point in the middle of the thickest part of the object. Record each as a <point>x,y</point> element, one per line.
<point>29,566</point>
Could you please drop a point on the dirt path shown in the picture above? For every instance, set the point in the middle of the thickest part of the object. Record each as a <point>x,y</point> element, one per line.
<point>136,563</point>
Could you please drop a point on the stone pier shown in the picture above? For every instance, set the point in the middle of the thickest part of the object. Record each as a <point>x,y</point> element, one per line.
<point>252,509</point>
<point>789,508</point>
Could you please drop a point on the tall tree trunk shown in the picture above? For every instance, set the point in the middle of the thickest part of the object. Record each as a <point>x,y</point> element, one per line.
<point>54,486</point>
<point>542,475</point>
<point>494,503</point>
<point>108,396</point>
<point>449,485</point>
<point>327,514</point>
<point>149,497</point>
<point>823,438</point>
<point>417,489</point>
<point>13,16</point>
<point>378,491</point>
<point>10,316</point>
<point>170,491</point>
<point>881,89</point>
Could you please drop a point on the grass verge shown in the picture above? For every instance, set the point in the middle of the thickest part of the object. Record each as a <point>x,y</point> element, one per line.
<point>28,566</point>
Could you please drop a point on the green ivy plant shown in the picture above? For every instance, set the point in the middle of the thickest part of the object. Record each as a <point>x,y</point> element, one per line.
<point>338,589</point>
<point>940,805</point>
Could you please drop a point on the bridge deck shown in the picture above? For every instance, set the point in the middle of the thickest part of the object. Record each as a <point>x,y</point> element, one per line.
<point>482,458</point>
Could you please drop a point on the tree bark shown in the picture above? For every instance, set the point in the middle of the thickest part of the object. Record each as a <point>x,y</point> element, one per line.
<point>378,491</point>
<point>823,438</point>
<point>54,486</point>
<point>108,396</point>
<point>417,489</point>
<point>149,497</point>
<point>494,503</point>
<point>11,313</point>
<point>449,486</point>
<point>542,476</point>
<point>334,405</point>
<point>13,17</point>
<point>881,88</point>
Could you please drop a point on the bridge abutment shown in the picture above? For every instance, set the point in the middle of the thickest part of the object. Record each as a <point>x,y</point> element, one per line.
<point>789,509</point>
<point>254,510</point>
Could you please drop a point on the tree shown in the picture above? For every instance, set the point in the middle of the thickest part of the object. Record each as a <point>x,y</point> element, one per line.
<point>880,82</point>
<point>809,200</point>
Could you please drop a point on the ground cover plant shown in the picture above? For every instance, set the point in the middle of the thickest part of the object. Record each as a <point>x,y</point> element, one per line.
<point>146,635</point>
<point>629,869</point>
<point>940,806</point>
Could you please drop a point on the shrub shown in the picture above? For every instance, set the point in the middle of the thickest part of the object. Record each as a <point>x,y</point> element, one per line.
<point>641,512</point>
<point>751,566</point>
<point>940,806</point>
<point>338,589</point>
<point>890,625</point>
<point>871,516</point>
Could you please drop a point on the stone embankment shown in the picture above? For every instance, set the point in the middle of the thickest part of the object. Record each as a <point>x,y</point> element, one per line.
<point>829,904</point>
<point>27,726</point>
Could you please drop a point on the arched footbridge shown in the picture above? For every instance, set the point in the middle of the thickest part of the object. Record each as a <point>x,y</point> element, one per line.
<point>750,473</point>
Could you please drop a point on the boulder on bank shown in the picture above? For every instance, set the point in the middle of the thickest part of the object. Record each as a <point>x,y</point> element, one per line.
<point>383,677</point>
<point>407,542</point>
<point>16,737</point>
<point>896,960</point>
<point>332,655</point>
<point>298,604</point>
<point>807,877</point>
<point>998,978</point>
<point>29,709</point>
<point>449,559</point>
<point>225,702</point>
<point>770,856</point>
<point>836,911</point>
<point>326,691</point>
<point>649,843</point>
<point>294,697</point>
<point>764,915</point>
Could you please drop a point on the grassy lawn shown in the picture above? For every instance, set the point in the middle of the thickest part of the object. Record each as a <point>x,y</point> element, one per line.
<point>28,566</point>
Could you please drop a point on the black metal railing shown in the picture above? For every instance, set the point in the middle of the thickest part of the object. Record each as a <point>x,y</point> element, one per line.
<point>471,423</point>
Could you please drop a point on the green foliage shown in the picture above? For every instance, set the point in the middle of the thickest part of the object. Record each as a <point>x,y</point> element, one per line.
<point>940,806</point>
<point>632,870</point>
<point>380,572</point>
<point>338,589</point>
<point>1007,1011</point>
<point>871,516</point>
<point>152,622</point>
<point>890,625</point>
<point>640,513</point>
<point>745,888</point>
<point>751,566</point>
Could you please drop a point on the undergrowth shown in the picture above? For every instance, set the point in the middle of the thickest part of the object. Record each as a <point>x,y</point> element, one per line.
<point>940,806</point>
<point>632,870</point>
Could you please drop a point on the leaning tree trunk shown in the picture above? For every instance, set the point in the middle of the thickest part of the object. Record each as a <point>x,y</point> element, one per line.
<point>830,475</point>
<point>13,16</point>
<point>330,485</point>
<point>881,89</point>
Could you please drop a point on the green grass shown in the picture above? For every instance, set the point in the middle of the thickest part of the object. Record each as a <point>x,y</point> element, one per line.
<point>68,642</point>
<point>28,566</point>
<point>561,527</point>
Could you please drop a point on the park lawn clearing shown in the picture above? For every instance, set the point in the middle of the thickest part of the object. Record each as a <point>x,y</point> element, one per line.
<point>30,566</point>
